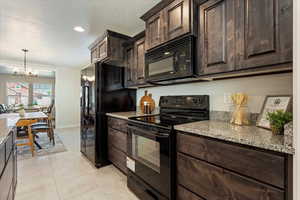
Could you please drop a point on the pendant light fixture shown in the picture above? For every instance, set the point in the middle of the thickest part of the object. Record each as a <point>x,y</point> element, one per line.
<point>26,72</point>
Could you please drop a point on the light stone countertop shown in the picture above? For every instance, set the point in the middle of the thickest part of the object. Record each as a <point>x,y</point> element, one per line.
<point>6,125</point>
<point>247,135</point>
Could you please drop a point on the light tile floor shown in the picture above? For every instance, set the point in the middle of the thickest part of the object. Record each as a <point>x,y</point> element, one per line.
<point>69,176</point>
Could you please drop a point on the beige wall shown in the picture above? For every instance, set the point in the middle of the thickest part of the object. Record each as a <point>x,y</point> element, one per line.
<point>10,78</point>
<point>256,87</point>
<point>67,98</point>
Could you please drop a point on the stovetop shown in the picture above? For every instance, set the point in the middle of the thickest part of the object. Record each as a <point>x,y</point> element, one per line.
<point>176,110</point>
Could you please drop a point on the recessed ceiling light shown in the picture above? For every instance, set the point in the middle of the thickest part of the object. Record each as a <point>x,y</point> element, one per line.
<point>78,29</point>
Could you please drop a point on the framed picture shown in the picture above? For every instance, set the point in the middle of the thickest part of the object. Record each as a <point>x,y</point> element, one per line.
<point>272,104</point>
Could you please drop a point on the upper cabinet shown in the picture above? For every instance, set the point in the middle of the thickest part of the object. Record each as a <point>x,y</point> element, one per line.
<point>139,54</point>
<point>240,35</point>
<point>109,48</point>
<point>264,32</point>
<point>154,30</point>
<point>216,36</point>
<point>176,19</point>
<point>166,21</point>
<point>135,61</point>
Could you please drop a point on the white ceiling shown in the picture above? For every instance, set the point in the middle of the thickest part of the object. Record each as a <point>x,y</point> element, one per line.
<point>45,27</point>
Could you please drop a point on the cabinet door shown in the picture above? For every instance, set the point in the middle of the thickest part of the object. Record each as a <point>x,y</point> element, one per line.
<point>176,19</point>
<point>139,48</point>
<point>154,33</point>
<point>102,49</point>
<point>130,67</point>
<point>264,32</point>
<point>94,54</point>
<point>216,36</point>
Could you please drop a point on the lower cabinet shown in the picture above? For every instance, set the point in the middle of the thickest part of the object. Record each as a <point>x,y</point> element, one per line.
<point>117,143</point>
<point>8,164</point>
<point>213,169</point>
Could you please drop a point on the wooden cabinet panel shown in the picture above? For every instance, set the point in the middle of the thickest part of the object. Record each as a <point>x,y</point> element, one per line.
<point>102,49</point>
<point>154,33</point>
<point>216,36</point>
<point>183,194</point>
<point>118,158</point>
<point>117,139</point>
<point>262,166</point>
<point>264,32</point>
<point>94,54</point>
<point>212,182</point>
<point>118,124</point>
<point>130,66</point>
<point>114,78</point>
<point>176,19</point>
<point>2,158</point>
<point>139,48</point>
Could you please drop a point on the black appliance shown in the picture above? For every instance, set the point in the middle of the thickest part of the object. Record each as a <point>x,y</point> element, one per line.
<point>152,145</point>
<point>102,91</point>
<point>171,61</point>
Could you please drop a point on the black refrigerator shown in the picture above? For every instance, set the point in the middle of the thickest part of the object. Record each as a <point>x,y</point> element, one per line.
<point>102,91</point>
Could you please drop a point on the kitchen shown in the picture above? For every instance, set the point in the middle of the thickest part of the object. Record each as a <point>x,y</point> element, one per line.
<point>182,109</point>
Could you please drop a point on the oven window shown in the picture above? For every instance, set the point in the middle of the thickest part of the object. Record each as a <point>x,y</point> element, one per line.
<point>146,151</point>
<point>162,66</point>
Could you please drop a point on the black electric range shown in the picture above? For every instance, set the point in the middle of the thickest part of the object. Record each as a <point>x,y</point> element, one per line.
<point>152,145</point>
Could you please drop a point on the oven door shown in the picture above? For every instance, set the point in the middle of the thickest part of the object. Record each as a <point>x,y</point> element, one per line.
<point>150,149</point>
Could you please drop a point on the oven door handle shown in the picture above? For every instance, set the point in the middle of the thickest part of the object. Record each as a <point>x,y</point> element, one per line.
<point>149,134</point>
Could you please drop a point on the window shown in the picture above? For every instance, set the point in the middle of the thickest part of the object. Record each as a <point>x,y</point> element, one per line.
<point>17,93</point>
<point>42,94</point>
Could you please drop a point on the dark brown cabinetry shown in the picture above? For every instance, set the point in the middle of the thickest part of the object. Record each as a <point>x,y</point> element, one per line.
<point>117,142</point>
<point>166,21</point>
<point>154,30</point>
<point>135,61</point>
<point>139,55</point>
<point>109,48</point>
<point>216,36</point>
<point>240,35</point>
<point>264,32</point>
<point>8,164</point>
<point>213,169</point>
<point>176,19</point>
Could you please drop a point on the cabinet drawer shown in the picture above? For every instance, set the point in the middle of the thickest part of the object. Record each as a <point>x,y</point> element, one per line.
<point>266,167</point>
<point>118,124</point>
<point>6,179</point>
<point>2,158</point>
<point>212,182</point>
<point>118,158</point>
<point>9,145</point>
<point>183,194</point>
<point>117,139</point>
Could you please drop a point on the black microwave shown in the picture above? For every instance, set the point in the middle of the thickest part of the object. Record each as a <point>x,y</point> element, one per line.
<point>172,61</point>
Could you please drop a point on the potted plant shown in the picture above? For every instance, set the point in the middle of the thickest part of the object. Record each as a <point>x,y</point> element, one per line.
<point>278,119</point>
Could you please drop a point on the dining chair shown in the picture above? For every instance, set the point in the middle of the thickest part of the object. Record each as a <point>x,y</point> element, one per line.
<point>26,133</point>
<point>41,127</point>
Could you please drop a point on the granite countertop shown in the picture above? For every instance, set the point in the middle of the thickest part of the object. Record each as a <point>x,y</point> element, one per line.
<point>126,115</point>
<point>247,135</point>
<point>7,122</point>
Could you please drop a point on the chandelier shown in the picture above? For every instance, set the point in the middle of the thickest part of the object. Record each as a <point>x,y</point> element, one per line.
<point>25,72</point>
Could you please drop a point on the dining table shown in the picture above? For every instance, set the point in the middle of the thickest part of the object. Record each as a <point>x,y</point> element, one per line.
<point>25,121</point>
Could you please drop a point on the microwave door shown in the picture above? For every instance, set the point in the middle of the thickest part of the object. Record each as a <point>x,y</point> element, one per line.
<point>162,66</point>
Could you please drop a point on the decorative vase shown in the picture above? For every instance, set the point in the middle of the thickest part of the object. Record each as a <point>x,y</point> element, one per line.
<point>147,104</point>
